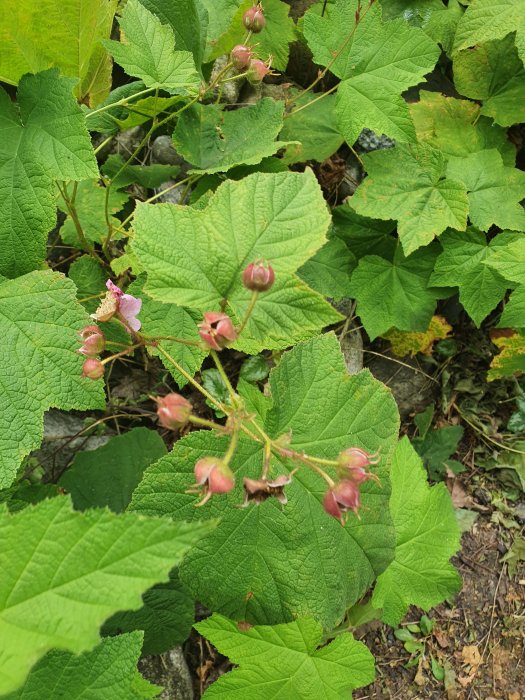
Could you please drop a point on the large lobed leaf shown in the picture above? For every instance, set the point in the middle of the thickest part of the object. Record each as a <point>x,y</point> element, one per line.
<point>41,367</point>
<point>408,183</point>
<point>195,258</point>
<point>64,573</point>
<point>427,535</point>
<point>109,672</point>
<point>267,564</point>
<point>284,661</point>
<point>42,139</point>
<point>376,62</point>
<point>149,52</point>
<point>35,36</point>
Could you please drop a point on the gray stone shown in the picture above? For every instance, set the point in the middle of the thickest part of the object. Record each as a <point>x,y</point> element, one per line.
<point>163,151</point>
<point>128,141</point>
<point>174,196</point>
<point>412,389</point>
<point>170,671</point>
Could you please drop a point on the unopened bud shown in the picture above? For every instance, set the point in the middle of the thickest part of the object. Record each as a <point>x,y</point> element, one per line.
<point>93,341</point>
<point>257,70</point>
<point>240,56</point>
<point>258,276</point>
<point>352,464</point>
<point>253,19</point>
<point>174,411</point>
<point>94,369</point>
<point>341,498</point>
<point>217,330</point>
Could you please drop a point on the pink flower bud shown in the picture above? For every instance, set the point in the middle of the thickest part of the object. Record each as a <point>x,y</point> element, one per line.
<point>258,276</point>
<point>217,330</point>
<point>93,341</point>
<point>173,411</point>
<point>257,70</point>
<point>240,56</point>
<point>352,464</point>
<point>94,369</point>
<point>341,498</point>
<point>253,19</point>
<point>214,476</point>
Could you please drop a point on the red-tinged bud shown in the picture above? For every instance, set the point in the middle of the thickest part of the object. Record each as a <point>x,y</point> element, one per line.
<point>257,70</point>
<point>258,276</point>
<point>240,56</point>
<point>213,475</point>
<point>253,19</point>
<point>93,341</point>
<point>217,330</point>
<point>94,369</point>
<point>174,411</point>
<point>258,490</point>
<point>352,464</point>
<point>341,498</point>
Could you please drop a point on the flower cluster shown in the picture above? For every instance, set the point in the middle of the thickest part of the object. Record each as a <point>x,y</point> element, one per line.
<point>242,56</point>
<point>344,495</point>
<point>93,344</point>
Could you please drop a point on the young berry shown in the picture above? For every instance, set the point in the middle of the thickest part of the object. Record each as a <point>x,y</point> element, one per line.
<point>93,341</point>
<point>257,70</point>
<point>258,276</point>
<point>174,411</point>
<point>341,498</point>
<point>253,19</point>
<point>94,369</point>
<point>240,56</point>
<point>217,330</point>
<point>213,475</point>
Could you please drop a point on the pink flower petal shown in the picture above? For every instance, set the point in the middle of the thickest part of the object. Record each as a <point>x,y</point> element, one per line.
<point>129,307</point>
<point>116,291</point>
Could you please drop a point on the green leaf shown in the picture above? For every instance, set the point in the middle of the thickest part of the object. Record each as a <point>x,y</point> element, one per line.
<point>247,569</point>
<point>149,176</point>
<point>456,128</point>
<point>64,573</point>
<point>189,21</point>
<point>41,366</point>
<point>442,23</point>
<point>491,19</point>
<point>109,120</point>
<point>272,42</point>
<point>508,257</point>
<point>376,61</point>
<point>214,140</point>
<point>108,475</point>
<point>493,72</point>
<point>109,671</point>
<point>461,264</point>
<point>166,617</point>
<point>426,537</point>
<point>395,294</point>
<point>314,127</point>
<point>363,236</point>
<point>179,248</point>
<point>408,183</point>
<point>495,191</point>
<point>149,52</point>
<point>284,661</point>
<point>254,369</point>
<point>90,280</point>
<point>329,270</point>
<point>436,448</point>
<point>90,205</point>
<point>42,139</point>
<point>513,315</point>
<point>66,35</point>
<point>167,320</point>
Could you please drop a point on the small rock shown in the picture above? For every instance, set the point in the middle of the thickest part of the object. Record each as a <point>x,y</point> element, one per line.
<point>127,141</point>
<point>170,671</point>
<point>173,196</point>
<point>163,151</point>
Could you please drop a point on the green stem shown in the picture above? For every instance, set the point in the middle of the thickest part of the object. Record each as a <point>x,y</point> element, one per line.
<point>86,245</point>
<point>173,338</point>
<point>120,103</point>
<point>120,354</point>
<point>249,310</point>
<point>101,145</point>
<point>225,378</point>
<point>231,447</point>
<point>192,381</point>
<point>321,96</point>
<point>196,420</point>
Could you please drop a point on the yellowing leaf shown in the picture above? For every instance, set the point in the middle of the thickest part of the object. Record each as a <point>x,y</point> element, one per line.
<point>410,343</point>
<point>511,358</point>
